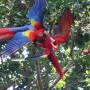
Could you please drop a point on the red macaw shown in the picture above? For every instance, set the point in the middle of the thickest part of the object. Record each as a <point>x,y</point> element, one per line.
<point>64,25</point>
<point>49,44</point>
<point>19,37</point>
<point>35,14</point>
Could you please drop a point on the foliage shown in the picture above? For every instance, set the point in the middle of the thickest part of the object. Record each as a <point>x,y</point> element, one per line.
<point>23,75</point>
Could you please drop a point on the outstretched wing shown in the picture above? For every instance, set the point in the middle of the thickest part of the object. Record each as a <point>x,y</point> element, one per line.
<point>66,20</point>
<point>64,24</point>
<point>35,14</point>
<point>17,42</point>
<point>8,33</point>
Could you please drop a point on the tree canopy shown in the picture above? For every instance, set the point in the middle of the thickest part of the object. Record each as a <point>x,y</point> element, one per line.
<point>21,73</point>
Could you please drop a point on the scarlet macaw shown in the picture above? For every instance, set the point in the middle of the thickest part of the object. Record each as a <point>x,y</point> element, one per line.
<point>36,17</point>
<point>51,44</point>
<point>8,33</point>
<point>23,35</point>
<point>48,44</point>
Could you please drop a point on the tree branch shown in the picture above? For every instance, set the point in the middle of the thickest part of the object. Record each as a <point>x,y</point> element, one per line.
<point>66,69</point>
<point>39,81</point>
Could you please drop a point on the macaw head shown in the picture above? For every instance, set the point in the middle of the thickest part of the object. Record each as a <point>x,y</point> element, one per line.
<point>40,32</point>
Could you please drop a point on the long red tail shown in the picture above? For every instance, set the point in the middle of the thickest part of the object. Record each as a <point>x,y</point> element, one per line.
<point>57,66</point>
<point>6,34</point>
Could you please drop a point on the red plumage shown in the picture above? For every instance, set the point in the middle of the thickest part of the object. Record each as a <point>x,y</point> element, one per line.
<point>48,46</point>
<point>36,35</point>
<point>60,39</point>
<point>6,34</point>
<point>5,31</point>
<point>65,21</point>
<point>38,26</point>
<point>57,66</point>
<point>64,25</point>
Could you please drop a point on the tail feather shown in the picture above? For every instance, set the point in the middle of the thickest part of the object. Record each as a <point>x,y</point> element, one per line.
<point>57,66</point>
<point>6,34</point>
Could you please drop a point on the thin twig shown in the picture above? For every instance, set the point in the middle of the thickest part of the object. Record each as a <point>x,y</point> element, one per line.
<point>66,69</point>
<point>39,81</point>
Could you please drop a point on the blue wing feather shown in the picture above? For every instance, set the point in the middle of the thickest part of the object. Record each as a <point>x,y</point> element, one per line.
<point>16,43</point>
<point>36,12</point>
<point>22,28</point>
<point>6,36</point>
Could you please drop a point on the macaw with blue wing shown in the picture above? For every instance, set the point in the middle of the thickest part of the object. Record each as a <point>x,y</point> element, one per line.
<point>50,44</point>
<point>22,35</point>
<point>35,14</point>
<point>8,33</point>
